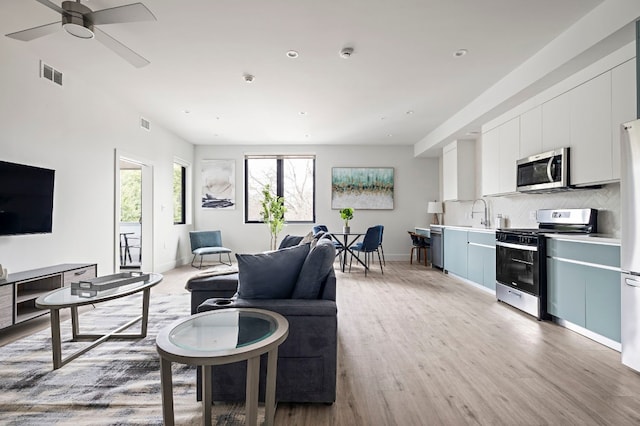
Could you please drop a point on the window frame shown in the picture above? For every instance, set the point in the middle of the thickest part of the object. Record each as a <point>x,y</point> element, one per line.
<point>280,160</point>
<point>184,167</point>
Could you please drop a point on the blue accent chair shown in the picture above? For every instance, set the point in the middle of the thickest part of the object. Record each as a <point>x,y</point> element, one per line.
<point>370,244</point>
<point>207,242</point>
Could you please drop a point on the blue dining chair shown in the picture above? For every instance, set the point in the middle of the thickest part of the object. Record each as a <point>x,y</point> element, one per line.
<point>370,244</point>
<point>384,262</point>
<point>319,228</point>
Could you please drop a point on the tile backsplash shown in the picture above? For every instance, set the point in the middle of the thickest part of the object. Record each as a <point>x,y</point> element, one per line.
<point>517,208</point>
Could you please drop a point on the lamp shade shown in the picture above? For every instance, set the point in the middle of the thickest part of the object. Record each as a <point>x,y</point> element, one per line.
<point>434,207</point>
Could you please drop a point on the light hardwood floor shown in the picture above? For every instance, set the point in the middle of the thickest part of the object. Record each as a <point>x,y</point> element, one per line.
<point>417,347</point>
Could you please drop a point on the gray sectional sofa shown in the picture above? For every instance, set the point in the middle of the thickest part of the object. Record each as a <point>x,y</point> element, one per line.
<point>298,282</point>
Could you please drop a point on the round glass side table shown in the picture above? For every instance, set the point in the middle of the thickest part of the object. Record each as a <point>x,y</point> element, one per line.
<point>222,337</point>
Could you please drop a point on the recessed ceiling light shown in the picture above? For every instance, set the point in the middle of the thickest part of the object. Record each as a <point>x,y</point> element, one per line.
<point>460,52</point>
<point>302,113</point>
<point>306,136</point>
<point>382,118</point>
<point>390,135</point>
<point>248,78</point>
<point>409,112</point>
<point>292,54</point>
<point>346,52</point>
<point>187,111</point>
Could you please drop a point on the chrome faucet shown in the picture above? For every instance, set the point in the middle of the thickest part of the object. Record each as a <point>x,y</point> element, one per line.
<point>484,221</point>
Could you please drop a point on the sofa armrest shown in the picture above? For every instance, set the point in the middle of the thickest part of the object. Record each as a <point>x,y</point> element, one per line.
<point>286,307</point>
<point>204,288</point>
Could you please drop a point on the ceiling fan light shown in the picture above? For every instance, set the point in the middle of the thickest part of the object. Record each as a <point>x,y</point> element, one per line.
<point>74,21</point>
<point>79,31</point>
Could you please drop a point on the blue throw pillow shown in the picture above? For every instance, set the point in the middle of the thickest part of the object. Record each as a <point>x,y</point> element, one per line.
<point>316,268</point>
<point>270,275</point>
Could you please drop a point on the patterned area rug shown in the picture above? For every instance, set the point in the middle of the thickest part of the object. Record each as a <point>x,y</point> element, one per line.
<point>115,383</point>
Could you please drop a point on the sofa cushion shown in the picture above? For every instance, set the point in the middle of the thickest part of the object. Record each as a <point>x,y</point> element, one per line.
<point>317,266</point>
<point>270,275</point>
<point>289,241</point>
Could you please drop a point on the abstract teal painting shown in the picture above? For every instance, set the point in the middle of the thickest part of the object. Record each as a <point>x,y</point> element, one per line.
<point>363,188</point>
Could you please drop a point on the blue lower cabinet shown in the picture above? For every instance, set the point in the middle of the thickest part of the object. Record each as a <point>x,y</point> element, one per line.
<point>475,263</point>
<point>588,296</point>
<point>481,265</point>
<point>490,268</point>
<point>566,289</point>
<point>603,303</point>
<point>455,252</point>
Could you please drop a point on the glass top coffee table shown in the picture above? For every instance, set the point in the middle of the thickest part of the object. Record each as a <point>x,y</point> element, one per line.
<point>68,297</point>
<point>222,337</point>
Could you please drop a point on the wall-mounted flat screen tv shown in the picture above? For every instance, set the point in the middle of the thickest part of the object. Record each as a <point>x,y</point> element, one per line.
<point>26,199</point>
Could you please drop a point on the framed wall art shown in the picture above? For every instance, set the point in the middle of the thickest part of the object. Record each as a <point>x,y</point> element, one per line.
<point>363,188</point>
<point>219,184</point>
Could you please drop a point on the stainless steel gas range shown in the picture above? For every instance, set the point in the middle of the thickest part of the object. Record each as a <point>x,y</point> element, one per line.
<point>521,272</point>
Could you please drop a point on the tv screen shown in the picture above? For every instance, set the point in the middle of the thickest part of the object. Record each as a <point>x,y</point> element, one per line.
<point>26,199</point>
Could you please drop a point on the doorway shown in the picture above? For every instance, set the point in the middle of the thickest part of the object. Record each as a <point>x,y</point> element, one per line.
<point>133,214</point>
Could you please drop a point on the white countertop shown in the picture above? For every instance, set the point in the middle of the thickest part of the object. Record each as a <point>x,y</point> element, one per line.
<point>590,239</point>
<point>466,228</point>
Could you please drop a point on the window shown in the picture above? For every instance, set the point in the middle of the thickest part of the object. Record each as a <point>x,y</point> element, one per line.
<point>290,176</point>
<point>179,194</point>
<point>131,194</point>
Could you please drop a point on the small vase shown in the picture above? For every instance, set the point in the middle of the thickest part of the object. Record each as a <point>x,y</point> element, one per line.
<point>346,229</point>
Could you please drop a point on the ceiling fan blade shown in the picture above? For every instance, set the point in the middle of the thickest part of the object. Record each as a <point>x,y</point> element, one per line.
<point>52,6</point>
<point>135,12</point>
<point>33,33</point>
<point>127,54</point>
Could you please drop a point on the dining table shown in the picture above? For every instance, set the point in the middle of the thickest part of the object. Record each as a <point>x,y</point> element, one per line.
<point>345,241</point>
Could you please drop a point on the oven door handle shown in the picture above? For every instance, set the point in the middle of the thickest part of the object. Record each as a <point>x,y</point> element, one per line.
<point>516,246</point>
<point>522,261</point>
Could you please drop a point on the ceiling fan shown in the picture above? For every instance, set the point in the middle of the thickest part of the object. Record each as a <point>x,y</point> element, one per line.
<point>79,21</point>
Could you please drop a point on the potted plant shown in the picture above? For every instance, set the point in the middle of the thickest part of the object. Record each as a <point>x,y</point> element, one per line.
<point>346,214</point>
<point>272,214</point>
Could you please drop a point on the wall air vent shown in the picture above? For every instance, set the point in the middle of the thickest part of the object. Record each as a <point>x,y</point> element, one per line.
<point>50,73</point>
<point>145,124</point>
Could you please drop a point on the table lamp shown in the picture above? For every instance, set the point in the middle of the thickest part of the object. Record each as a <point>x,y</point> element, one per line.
<point>435,208</point>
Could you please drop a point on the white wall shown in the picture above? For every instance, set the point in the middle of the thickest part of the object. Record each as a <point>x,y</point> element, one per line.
<point>517,208</point>
<point>416,182</point>
<point>75,130</point>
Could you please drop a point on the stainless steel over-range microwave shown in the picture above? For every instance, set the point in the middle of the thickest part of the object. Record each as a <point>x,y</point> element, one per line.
<point>544,172</point>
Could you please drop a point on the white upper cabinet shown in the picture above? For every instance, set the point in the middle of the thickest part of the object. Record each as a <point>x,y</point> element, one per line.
<point>490,158</point>
<point>623,106</point>
<point>556,123</point>
<point>509,154</point>
<point>500,151</point>
<point>458,171</point>
<point>586,118</point>
<point>531,132</point>
<point>591,152</point>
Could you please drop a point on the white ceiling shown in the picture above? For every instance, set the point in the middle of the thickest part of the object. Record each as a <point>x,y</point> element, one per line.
<point>403,61</point>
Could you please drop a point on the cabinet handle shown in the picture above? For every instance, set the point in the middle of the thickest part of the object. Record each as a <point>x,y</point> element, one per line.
<point>632,283</point>
<point>80,272</point>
